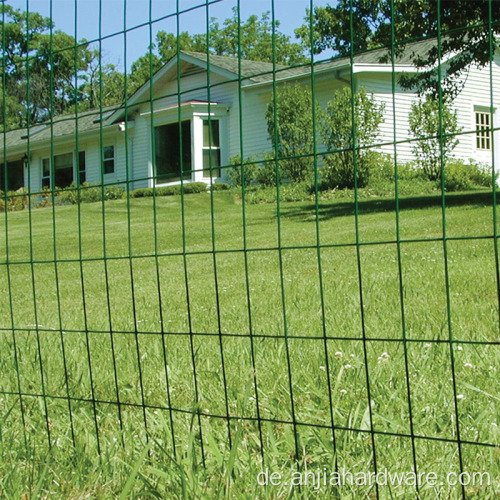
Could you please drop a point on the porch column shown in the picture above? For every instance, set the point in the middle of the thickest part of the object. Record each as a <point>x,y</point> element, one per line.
<point>197,148</point>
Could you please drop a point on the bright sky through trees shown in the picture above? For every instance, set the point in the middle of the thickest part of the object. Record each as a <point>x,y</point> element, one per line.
<point>290,13</point>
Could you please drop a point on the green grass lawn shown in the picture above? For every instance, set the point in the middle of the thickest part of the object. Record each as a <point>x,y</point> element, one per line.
<point>262,329</point>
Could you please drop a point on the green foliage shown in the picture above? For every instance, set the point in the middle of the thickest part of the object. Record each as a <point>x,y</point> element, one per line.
<point>427,121</point>
<point>164,191</point>
<point>159,191</point>
<point>220,186</point>
<point>15,200</point>
<point>188,188</point>
<point>462,176</point>
<point>114,192</point>
<point>257,172</point>
<point>104,84</point>
<point>90,193</point>
<point>142,193</point>
<point>336,128</point>
<point>72,195</point>
<point>247,167</point>
<point>51,69</point>
<point>290,128</point>
<point>265,174</point>
<point>380,166</point>
<point>194,187</point>
<point>256,39</point>
<point>142,69</point>
<point>465,22</point>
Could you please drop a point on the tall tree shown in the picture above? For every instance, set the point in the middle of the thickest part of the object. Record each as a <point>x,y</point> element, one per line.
<point>255,38</point>
<point>290,128</point>
<point>38,67</point>
<point>464,25</point>
<point>103,84</point>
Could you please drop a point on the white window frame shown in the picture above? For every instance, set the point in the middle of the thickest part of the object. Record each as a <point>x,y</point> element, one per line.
<point>43,177</point>
<point>483,137</point>
<point>212,147</point>
<point>48,158</point>
<point>196,112</point>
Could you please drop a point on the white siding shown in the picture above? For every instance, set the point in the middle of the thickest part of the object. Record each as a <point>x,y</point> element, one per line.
<point>475,92</point>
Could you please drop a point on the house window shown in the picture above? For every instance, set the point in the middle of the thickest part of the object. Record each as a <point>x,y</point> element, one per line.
<point>63,171</point>
<point>483,130</point>
<point>173,150</point>
<point>15,176</point>
<point>81,167</point>
<point>109,159</point>
<point>211,148</point>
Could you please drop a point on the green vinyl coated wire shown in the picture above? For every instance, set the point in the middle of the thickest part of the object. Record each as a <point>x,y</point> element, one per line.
<point>61,406</point>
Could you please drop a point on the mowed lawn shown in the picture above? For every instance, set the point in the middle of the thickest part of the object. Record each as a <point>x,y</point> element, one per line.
<point>185,311</point>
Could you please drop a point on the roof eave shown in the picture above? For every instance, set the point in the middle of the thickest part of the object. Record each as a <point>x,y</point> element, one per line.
<point>57,140</point>
<point>357,68</point>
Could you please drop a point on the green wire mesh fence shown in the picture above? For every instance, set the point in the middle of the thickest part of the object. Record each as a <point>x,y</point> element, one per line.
<point>295,312</point>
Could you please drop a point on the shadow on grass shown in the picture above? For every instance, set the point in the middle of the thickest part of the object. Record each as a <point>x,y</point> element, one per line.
<point>331,209</point>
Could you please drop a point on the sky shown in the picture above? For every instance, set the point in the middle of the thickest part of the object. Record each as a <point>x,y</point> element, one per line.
<point>193,19</point>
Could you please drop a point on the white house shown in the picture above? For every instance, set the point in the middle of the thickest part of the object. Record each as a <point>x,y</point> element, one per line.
<point>141,141</point>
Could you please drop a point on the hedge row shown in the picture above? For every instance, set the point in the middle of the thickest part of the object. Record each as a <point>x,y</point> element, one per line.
<point>18,200</point>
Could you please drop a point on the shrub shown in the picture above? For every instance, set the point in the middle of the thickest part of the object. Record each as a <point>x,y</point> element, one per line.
<point>189,188</point>
<point>20,200</point>
<point>220,186</point>
<point>114,192</point>
<point>266,172</point>
<point>380,166</point>
<point>336,130</point>
<point>43,199</point>
<point>142,192</point>
<point>68,196</point>
<point>410,171</point>
<point>195,187</point>
<point>234,172</point>
<point>290,127</point>
<point>263,172</point>
<point>90,193</point>
<point>462,176</point>
<point>167,190</point>
<point>425,121</point>
<point>17,200</point>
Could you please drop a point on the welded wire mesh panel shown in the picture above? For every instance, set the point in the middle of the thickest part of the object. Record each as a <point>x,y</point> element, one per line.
<point>249,248</point>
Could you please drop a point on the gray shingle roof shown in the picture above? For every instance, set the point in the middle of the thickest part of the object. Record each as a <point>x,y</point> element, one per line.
<point>64,125</point>
<point>249,69</point>
<point>261,72</point>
